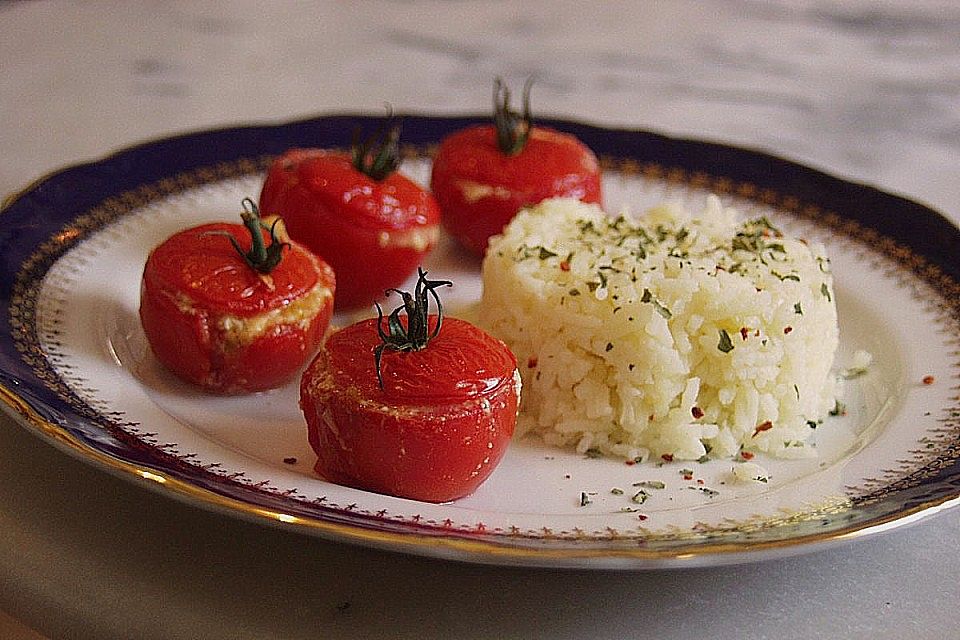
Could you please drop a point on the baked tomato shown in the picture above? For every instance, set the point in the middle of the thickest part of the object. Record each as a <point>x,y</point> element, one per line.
<point>369,222</point>
<point>415,406</point>
<point>484,174</point>
<point>233,309</point>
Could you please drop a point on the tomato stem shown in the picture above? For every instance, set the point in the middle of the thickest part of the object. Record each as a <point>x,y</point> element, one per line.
<point>513,129</point>
<point>379,155</point>
<point>263,258</point>
<point>416,334</point>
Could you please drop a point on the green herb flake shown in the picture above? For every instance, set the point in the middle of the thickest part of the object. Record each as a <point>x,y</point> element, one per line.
<point>640,497</point>
<point>609,347</point>
<point>725,345</point>
<point>839,409</point>
<point>546,253</point>
<point>573,292</point>
<point>539,252</point>
<point>743,242</point>
<point>797,309</point>
<point>617,491</point>
<point>853,372</point>
<point>826,292</point>
<point>662,310</point>
<point>593,453</point>
<point>650,484</point>
<point>584,499</point>
<point>764,222</point>
<point>707,491</point>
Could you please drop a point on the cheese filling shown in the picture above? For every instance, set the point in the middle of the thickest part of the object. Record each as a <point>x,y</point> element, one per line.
<point>419,239</point>
<point>236,332</point>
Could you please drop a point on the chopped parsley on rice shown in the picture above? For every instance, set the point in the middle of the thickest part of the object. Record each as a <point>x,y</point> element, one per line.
<point>679,336</point>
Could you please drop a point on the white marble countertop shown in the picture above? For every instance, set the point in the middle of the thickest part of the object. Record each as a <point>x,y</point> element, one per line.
<point>866,90</point>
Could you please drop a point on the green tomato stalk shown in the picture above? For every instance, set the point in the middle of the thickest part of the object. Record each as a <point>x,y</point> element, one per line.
<point>416,334</point>
<point>513,129</point>
<point>379,155</point>
<point>262,258</point>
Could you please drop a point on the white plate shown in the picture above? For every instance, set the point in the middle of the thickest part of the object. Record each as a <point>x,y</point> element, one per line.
<point>99,392</point>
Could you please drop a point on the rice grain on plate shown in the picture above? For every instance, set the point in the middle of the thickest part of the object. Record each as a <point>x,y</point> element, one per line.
<point>683,335</point>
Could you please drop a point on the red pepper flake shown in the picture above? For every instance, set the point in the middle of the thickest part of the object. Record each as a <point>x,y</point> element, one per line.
<point>630,463</point>
<point>667,457</point>
<point>696,412</point>
<point>641,516</point>
<point>929,379</point>
<point>564,265</point>
<point>744,332</point>
<point>532,362</point>
<point>687,476</point>
<point>765,426</point>
<point>746,455</point>
<point>290,460</point>
<point>787,330</point>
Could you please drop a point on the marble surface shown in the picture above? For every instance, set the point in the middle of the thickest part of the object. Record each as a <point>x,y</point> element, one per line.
<point>866,90</point>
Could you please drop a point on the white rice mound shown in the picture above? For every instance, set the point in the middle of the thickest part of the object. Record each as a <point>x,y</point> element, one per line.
<point>682,336</point>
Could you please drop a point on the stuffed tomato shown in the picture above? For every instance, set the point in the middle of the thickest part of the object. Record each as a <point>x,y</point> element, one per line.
<point>231,308</point>
<point>484,174</point>
<point>372,224</point>
<point>414,406</point>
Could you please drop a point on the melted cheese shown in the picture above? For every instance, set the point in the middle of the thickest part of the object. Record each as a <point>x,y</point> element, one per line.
<point>419,239</point>
<point>237,332</point>
<point>474,191</point>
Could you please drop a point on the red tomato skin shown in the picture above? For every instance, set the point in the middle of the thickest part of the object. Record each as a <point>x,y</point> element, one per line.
<point>480,189</point>
<point>373,234</point>
<point>434,433</point>
<point>181,319</point>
